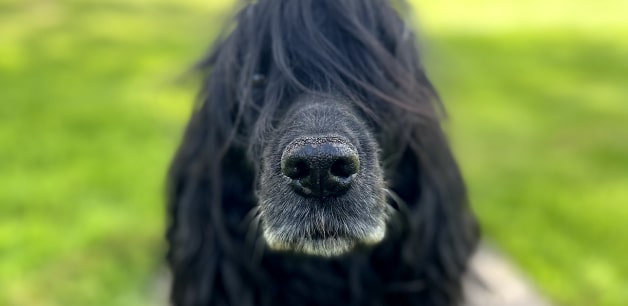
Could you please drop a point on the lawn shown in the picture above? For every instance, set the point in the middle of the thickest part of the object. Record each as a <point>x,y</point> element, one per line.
<point>92,104</point>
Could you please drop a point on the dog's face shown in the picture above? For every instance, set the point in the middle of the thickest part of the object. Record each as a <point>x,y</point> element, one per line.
<point>321,188</point>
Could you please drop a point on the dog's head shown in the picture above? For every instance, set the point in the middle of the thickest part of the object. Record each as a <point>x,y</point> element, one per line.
<point>317,133</point>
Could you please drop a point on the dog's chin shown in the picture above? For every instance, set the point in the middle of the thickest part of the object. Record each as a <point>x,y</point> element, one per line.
<point>325,246</point>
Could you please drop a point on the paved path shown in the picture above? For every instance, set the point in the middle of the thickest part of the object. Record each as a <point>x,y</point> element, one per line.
<point>496,282</point>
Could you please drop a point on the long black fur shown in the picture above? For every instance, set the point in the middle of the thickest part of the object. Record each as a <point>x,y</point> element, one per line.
<point>279,54</point>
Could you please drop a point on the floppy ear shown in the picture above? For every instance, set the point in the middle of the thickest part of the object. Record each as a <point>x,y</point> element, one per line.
<point>210,188</point>
<point>442,230</point>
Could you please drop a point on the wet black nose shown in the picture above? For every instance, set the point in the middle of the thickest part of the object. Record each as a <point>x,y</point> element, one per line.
<point>320,168</point>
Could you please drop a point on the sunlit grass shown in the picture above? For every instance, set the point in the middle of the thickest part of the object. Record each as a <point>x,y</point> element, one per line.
<point>91,110</point>
<point>538,122</point>
<point>90,114</point>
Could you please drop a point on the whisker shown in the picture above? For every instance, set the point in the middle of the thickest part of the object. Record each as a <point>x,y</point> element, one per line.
<point>258,249</point>
<point>253,230</point>
<point>402,206</point>
<point>253,213</point>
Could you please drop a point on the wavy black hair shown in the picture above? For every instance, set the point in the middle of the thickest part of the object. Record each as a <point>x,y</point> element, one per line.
<point>391,227</point>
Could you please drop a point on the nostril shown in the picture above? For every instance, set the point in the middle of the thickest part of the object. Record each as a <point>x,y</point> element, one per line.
<point>345,167</point>
<point>295,168</point>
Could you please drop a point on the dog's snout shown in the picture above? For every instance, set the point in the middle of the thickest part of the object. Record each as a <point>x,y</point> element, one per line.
<point>320,168</point>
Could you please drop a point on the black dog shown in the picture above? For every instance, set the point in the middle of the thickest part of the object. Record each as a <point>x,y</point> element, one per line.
<point>314,170</point>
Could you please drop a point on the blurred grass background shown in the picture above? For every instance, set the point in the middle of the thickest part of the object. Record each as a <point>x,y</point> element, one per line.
<point>90,113</point>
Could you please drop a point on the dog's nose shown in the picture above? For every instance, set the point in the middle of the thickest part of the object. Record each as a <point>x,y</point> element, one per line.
<point>320,169</point>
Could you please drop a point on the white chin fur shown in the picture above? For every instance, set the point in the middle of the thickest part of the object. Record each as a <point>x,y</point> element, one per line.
<point>329,247</point>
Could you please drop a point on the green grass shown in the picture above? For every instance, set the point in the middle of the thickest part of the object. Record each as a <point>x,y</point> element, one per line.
<point>89,117</point>
<point>540,129</point>
<point>91,112</point>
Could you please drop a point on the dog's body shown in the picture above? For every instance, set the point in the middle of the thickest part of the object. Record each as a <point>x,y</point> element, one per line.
<point>314,170</point>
